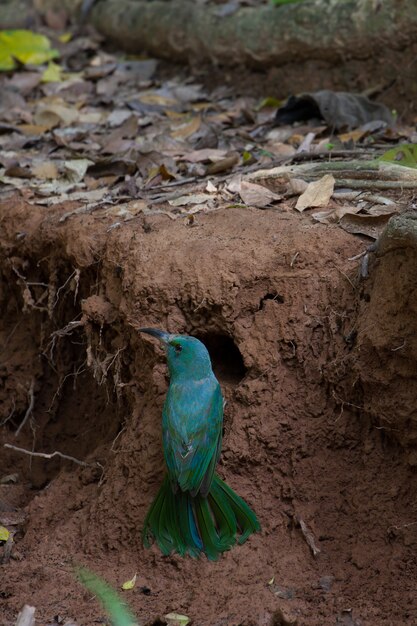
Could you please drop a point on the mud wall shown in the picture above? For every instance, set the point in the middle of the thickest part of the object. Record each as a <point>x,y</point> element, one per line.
<point>387,348</point>
<point>276,300</point>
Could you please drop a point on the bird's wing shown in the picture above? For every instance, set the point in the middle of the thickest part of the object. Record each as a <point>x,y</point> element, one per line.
<point>192,432</point>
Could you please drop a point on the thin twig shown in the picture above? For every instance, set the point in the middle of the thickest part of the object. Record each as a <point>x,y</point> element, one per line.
<point>173,183</point>
<point>293,260</point>
<point>29,410</point>
<point>308,536</point>
<point>358,256</point>
<point>326,155</point>
<point>47,456</point>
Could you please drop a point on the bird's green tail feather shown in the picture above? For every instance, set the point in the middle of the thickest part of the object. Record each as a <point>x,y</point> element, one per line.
<point>195,525</point>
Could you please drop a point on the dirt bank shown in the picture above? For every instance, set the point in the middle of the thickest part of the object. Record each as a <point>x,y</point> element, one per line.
<point>276,300</point>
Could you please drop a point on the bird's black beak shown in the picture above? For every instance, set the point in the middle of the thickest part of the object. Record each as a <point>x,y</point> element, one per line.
<point>162,335</point>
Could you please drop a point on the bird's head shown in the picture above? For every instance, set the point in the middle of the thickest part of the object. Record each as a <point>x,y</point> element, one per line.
<point>187,356</point>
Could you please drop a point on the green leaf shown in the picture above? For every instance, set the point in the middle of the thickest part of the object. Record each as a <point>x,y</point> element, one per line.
<point>269,102</point>
<point>118,612</point>
<point>4,534</point>
<point>129,584</point>
<point>277,2</point>
<point>266,153</point>
<point>405,155</point>
<point>52,74</point>
<point>65,37</point>
<point>25,47</point>
<point>176,619</point>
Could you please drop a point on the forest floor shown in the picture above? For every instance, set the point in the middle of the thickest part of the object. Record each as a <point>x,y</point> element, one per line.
<point>130,196</point>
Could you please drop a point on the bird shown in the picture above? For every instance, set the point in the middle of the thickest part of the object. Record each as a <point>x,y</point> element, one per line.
<point>194,512</point>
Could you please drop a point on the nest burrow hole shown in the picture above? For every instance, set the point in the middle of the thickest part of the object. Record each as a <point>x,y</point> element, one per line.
<point>226,358</point>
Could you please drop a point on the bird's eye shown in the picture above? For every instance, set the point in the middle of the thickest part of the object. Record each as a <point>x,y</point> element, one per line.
<point>178,348</point>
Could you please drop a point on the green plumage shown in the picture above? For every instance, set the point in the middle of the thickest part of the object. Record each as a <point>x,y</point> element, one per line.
<point>194,512</point>
<point>194,525</point>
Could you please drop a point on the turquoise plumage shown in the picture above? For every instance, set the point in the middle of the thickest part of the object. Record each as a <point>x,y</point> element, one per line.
<point>194,512</point>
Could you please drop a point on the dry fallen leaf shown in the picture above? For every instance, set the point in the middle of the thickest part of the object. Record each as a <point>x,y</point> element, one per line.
<point>383,209</point>
<point>45,170</point>
<point>153,98</point>
<point>279,149</point>
<point>32,129</point>
<point>223,165</point>
<point>18,183</point>
<point>95,195</point>
<point>18,171</point>
<point>369,225</point>
<point>76,169</point>
<point>186,130</point>
<point>118,117</point>
<point>206,154</point>
<point>234,183</point>
<point>297,186</point>
<point>128,210</point>
<point>90,117</point>
<point>55,114</point>
<point>256,195</point>
<point>305,145</point>
<point>353,135</point>
<point>117,146</point>
<point>24,82</point>
<point>317,194</point>
<point>210,187</point>
<point>195,198</point>
<point>329,216</point>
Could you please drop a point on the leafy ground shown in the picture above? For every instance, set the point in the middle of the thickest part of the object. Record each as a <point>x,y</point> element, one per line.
<point>99,128</point>
<point>133,191</point>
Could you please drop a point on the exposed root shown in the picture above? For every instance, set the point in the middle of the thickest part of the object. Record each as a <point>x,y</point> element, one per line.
<point>44,455</point>
<point>6,419</point>
<point>29,301</point>
<point>29,410</point>
<point>57,334</point>
<point>75,276</point>
<point>80,370</point>
<point>101,368</point>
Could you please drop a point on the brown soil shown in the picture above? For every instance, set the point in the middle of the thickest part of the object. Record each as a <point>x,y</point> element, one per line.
<point>283,314</point>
